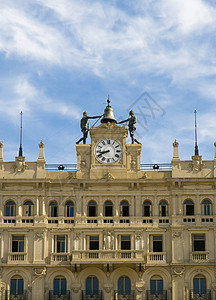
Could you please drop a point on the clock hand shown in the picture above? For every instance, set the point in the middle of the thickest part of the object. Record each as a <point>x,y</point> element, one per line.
<point>105,151</point>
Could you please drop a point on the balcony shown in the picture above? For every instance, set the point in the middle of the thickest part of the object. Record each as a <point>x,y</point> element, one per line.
<point>14,257</point>
<point>57,258</point>
<point>95,295</point>
<point>128,295</point>
<point>15,295</point>
<point>59,295</point>
<point>199,256</point>
<point>156,257</point>
<point>109,255</point>
<point>156,295</point>
<point>200,295</point>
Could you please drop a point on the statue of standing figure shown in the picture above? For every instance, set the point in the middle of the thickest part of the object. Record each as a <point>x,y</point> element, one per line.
<point>132,121</point>
<point>84,124</point>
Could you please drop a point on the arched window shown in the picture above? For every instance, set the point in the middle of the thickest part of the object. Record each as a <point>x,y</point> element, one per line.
<point>124,286</point>
<point>124,208</point>
<point>59,286</point>
<point>199,285</point>
<point>147,209</point>
<point>163,208</point>
<point>69,209</point>
<point>108,209</point>
<point>189,208</point>
<point>206,207</point>
<point>92,209</point>
<point>10,209</point>
<point>92,286</point>
<point>28,208</point>
<point>156,285</point>
<point>17,286</point>
<point>53,209</point>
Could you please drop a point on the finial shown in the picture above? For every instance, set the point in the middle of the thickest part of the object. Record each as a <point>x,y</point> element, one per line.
<point>108,101</point>
<point>20,148</point>
<point>196,150</point>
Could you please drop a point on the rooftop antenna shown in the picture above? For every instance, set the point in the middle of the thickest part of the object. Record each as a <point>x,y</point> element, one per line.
<point>196,152</point>
<point>20,148</point>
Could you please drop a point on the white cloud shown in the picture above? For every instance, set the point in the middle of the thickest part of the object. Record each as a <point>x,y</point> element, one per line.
<point>20,95</point>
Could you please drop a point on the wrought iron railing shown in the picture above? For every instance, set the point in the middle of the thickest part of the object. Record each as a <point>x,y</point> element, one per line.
<point>61,167</point>
<point>92,295</point>
<point>143,167</point>
<point>156,295</point>
<point>127,295</point>
<point>15,295</point>
<point>200,294</point>
<point>59,295</point>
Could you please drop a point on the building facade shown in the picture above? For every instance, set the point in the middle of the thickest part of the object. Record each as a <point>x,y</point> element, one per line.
<point>110,228</point>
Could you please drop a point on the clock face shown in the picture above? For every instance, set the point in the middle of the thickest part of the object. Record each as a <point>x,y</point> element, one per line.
<point>108,151</point>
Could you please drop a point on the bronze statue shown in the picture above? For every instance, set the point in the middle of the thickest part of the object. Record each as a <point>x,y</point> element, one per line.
<point>84,124</point>
<point>132,121</point>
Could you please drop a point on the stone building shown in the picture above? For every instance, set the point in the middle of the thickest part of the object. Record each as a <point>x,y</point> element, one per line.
<point>109,227</point>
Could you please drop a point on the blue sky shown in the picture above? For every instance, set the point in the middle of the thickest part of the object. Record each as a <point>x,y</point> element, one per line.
<point>60,58</point>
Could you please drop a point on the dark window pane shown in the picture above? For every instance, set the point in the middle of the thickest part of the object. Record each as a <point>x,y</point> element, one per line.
<point>189,210</point>
<point>146,210</point>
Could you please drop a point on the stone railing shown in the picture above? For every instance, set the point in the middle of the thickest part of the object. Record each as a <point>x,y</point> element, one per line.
<point>199,256</point>
<point>17,257</point>
<point>60,257</point>
<point>156,257</point>
<point>106,255</point>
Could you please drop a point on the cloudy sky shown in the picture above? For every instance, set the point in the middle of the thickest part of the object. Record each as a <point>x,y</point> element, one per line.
<point>60,58</point>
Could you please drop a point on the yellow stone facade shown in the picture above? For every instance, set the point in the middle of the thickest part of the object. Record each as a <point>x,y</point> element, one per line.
<point>108,230</point>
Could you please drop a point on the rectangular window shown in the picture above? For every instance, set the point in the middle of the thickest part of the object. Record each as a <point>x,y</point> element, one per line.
<point>163,210</point>
<point>125,210</point>
<point>125,242</point>
<point>94,243</point>
<point>146,210</point>
<point>157,243</point>
<point>92,211</point>
<point>189,210</point>
<point>54,211</point>
<point>17,243</point>
<point>198,242</point>
<point>60,244</point>
<point>108,211</point>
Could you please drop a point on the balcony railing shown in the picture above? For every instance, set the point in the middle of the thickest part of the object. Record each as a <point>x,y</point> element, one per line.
<point>15,295</point>
<point>59,295</point>
<point>156,295</point>
<point>60,257</point>
<point>156,257</point>
<point>200,256</point>
<point>127,295</point>
<point>111,255</point>
<point>92,295</point>
<point>200,295</point>
<point>17,257</point>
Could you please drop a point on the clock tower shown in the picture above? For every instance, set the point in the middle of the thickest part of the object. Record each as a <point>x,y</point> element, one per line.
<point>108,155</point>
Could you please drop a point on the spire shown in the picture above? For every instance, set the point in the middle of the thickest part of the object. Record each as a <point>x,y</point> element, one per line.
<point>20,148</point>
<point>196,150</point>
<point>108,115</point>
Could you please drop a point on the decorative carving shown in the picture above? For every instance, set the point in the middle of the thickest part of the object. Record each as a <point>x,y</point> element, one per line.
<point>177,235</point>
<point>38,236</point>
<point>108,176</point>
<point>108,288</point>
<point>197,164</point>
<point>145,176</point>
<point>41,144</point>
<point>83,163</point>
<point>39,272</point>
<point>108,241</point>
<point>178,271</point>
<point>76,288</point>
<point>20,164</point>
<point>140,286</point>
<point>77,237</point>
